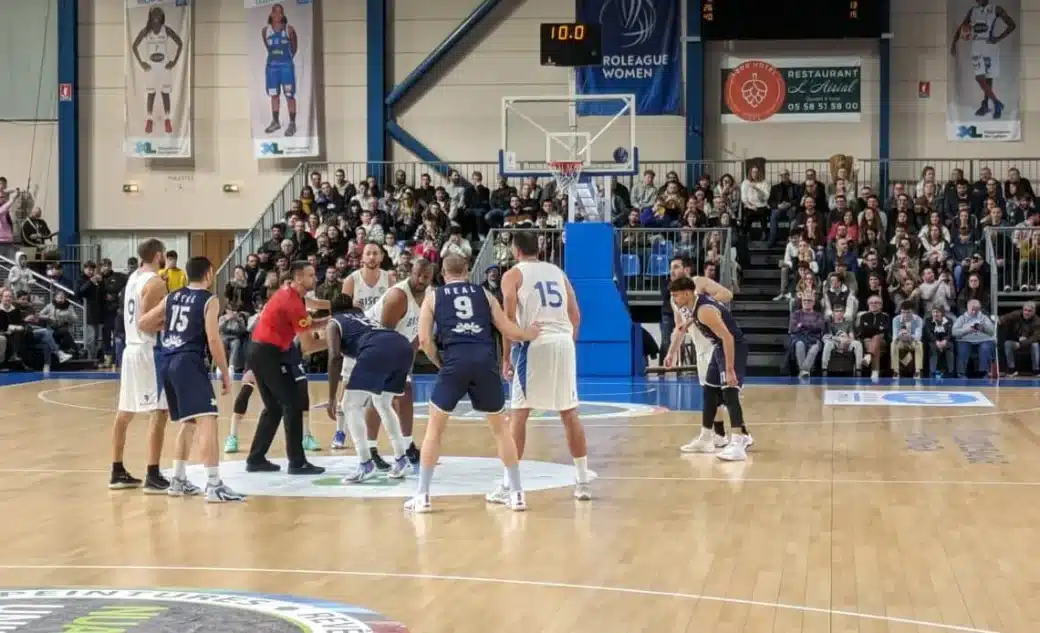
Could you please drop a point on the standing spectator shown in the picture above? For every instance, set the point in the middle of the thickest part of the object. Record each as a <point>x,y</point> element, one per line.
<point>806,330</point>
<point>20,278</point>
<point>974,331</point>
<point>841,337</point>
<point>872,329</point>
<point>936,293</point>
<point>644,193</point>
<point>34,230</point>
<point>55,276</point>
<point>754,196</point>
<point>938,332</point>
<point>907,330</point>
<point>174,277</point>
<point>112,284</point>
<point>89,291</point>
<point>232,326</point>
<point>6,224</point>
<point>1022,331</point>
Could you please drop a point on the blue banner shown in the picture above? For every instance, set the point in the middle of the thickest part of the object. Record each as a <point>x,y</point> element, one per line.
<point>641,55</point>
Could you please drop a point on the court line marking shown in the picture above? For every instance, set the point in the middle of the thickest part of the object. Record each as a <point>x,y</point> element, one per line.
<point>504,581</point>
<point>43,395</point>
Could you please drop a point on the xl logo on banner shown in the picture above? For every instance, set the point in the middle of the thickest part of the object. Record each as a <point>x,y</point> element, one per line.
<point>640,55</point>
<point>907,399</point>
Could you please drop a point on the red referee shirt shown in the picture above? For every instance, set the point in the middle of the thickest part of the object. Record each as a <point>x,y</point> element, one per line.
<point>283,317</point>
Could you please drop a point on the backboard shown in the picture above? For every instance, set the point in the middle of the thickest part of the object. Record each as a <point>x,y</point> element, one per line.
<point>542,129</point>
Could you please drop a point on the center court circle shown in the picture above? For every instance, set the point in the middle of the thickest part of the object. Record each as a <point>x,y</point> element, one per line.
<point>588,410</point>
<point>177,610</point>
<point>455,477</point>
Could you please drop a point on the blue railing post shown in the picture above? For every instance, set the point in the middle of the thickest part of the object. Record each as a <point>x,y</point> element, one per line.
<point>68,123</point>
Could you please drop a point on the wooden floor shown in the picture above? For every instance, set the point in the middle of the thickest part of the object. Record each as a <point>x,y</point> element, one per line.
<point>844,519</point>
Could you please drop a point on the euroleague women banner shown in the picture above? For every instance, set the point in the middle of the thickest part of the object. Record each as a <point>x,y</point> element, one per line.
<point>283,112</point>
<point>158,78</point>
<point>983,75</point>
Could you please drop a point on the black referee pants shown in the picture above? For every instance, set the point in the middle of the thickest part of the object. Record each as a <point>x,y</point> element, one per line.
<point>281,399</point>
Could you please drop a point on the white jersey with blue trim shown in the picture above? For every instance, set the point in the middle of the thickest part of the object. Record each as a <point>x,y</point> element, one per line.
<point>542,298</point>
<point>132,294</point>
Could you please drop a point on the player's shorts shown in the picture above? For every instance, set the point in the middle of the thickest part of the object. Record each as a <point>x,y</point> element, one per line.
<point>703,349</point>
<point>293,363</point>
<point>716,374</point>
<point>158,78</point>
<point>279,79</point>
<point>184,379</point>
<point>138,381</point>
<point>472,373</point>
<point>545,375</point>
<point>382,365</point>
<point>985,65</point>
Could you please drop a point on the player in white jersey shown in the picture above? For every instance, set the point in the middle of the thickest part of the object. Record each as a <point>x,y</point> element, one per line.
<point>365,287</point>
<point>138,384</point>
<point>980,27</point>
<point>157,63</point>
<point>543,371</point>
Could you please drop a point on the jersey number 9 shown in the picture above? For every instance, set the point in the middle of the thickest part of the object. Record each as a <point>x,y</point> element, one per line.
<point>463,308</point>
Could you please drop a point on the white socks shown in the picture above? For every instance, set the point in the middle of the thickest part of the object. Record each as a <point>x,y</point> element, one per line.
<point>353,406</point>
<point>306,424</point>
<point>384,405</point>
<point>581,468</point>
<point>341,420</point>
<point>235,419</point>
<point>212,475</point>
<point>179,468</point>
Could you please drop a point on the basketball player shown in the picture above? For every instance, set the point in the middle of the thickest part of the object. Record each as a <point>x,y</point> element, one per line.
<point>280,73</point>
<point>156,35</point>
<point>382,360</point>
<point>979,26</point>
<point>463,314</point>
<point>728,364</point>
<point>705,443</point>
<point>138,389</point>
<point>543,371</point>
<point>365,287</point>
<point>398,309</point>
<point>189,318</point>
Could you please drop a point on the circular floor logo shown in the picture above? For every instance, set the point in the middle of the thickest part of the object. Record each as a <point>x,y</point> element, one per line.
<point>173,611</point>
<point>588,410</point>
<point>455,476</point>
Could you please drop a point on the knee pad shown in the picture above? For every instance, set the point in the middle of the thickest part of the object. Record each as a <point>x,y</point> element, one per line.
<point>242,399</point>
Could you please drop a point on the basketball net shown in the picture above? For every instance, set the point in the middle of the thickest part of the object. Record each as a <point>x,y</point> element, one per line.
<point>566,173</point>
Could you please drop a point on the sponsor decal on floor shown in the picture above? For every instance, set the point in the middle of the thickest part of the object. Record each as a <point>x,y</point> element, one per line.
<point>877,398</point>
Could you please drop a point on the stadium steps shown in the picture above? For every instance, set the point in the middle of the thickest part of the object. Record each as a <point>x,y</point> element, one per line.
<point>762,319</point>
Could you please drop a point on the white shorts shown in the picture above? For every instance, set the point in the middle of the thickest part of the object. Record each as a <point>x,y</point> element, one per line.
<point>157,79</point>
<point>985,65</point>
<point>703,348</point>
<point>545,375</point>
<point>138,383</point>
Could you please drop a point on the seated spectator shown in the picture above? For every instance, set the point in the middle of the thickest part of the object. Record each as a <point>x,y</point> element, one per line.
<point>427,249</point>
<point>1022,332</point>
<point>783,202</point>
<point>840,336</point>
<point>836,294</point>
<point>938,333</point>
<point>393,251</point>
<point>754,196</point>
<point>55,275</point>
<point>21,324</point>
<point>59,316</point>
<point>503,252</point>
<point>789,265</point>
<point>907,331</point>
<point>457,244</point>
<point>872,329</point>
<point>728,192</point>
<point>657,216</point>
<point>20,277</point>
<point>974,331</point>
<point>974,290</point>
<point>645,192</point>
<point>806,330</point>
<point>936,291</point>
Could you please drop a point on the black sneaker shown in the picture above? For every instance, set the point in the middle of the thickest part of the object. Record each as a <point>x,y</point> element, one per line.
<point>262,467</point>
<point>156,484</point>
<point>306,469</point>
<point>121,480</point>
<point>413,455</point>
<point>381,465</point>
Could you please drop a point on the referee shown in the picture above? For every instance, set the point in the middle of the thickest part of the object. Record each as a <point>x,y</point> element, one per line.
<point>283,318</point>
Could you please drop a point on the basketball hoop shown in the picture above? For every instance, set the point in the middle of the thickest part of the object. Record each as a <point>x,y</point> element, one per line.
<point>566,173</point>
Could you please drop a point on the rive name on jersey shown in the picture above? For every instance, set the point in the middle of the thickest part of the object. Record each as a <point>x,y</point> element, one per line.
<point>185,328</point>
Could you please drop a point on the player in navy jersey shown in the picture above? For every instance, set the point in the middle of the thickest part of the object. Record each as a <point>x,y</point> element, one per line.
<point>189,317</point>
<point>464,350</point>
<point>728,364</point>
<point>382,360</point>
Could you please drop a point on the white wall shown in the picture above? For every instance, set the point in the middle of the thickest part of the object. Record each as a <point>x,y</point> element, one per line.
<point>187,194</point>
<point>119,246</point>
<point>456,112</point>
<point>30,151</point>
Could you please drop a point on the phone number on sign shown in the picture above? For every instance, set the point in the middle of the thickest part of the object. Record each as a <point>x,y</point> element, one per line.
<point>848,106</point>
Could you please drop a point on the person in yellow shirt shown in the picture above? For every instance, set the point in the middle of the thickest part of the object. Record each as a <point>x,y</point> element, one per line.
<point>174,277</point>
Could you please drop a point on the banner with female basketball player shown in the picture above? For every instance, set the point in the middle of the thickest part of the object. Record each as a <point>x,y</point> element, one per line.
<point>983,76</point>
<point>283,111</point>
<point>158,78</point>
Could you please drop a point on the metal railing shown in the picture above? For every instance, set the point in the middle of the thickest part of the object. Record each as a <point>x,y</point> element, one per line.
<point>1013,256</point>
<point>43,290</point>
<point>646,255</point>
<point>496,250</point>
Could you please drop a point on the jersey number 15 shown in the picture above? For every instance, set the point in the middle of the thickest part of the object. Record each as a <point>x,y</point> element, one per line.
<point>549,292</point>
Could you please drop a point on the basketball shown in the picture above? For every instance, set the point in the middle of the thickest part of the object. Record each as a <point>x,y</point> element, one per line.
<point>620,155</point>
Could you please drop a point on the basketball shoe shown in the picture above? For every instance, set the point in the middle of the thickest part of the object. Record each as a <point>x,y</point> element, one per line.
<point>707,442</point>
<point>736,450</point>
<point>419,504</point>
<point>183,488</point>
<point>220,493</point>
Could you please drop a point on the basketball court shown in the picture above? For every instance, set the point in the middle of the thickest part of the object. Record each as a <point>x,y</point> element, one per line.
<point>875,508</point>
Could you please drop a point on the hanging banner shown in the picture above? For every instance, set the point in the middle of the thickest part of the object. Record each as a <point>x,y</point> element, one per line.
<point>158,78</point>
<point>794,89</point>
<point>983,80</point>
<point>640,56</point>
<point>283,113</point>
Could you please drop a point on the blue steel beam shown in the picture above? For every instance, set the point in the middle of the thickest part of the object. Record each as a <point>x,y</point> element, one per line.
<point>376,115</point>
<point>442,49</point>
<point>694,91</point>
<point>413,145</point>
<point>68,124</point>
<point>885,99</point>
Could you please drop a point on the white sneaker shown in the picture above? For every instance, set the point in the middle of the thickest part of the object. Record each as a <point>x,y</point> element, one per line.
<point>400,468</point>
<point>866,360</point>
<point>64,357</point>
<point>500,495</point>
<point>736,450</point>
<point>220,493</point>
<point>719,441</point>
<point>517,502</point>
<point>419,504</point>
<point>581,491</point>
<point>704,443</point>
<point>182,488</point>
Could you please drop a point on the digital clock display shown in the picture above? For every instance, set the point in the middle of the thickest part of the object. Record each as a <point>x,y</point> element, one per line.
<point>571,44</point>
<point>792,19</point>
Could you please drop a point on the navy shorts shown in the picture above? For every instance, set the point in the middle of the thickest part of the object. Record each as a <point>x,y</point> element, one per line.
<point>292,362</point>
<point>383,364</point>
<point>716,374</point>
<point>477,378</point>
<point>280,78</point>
<point>184,379</point>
